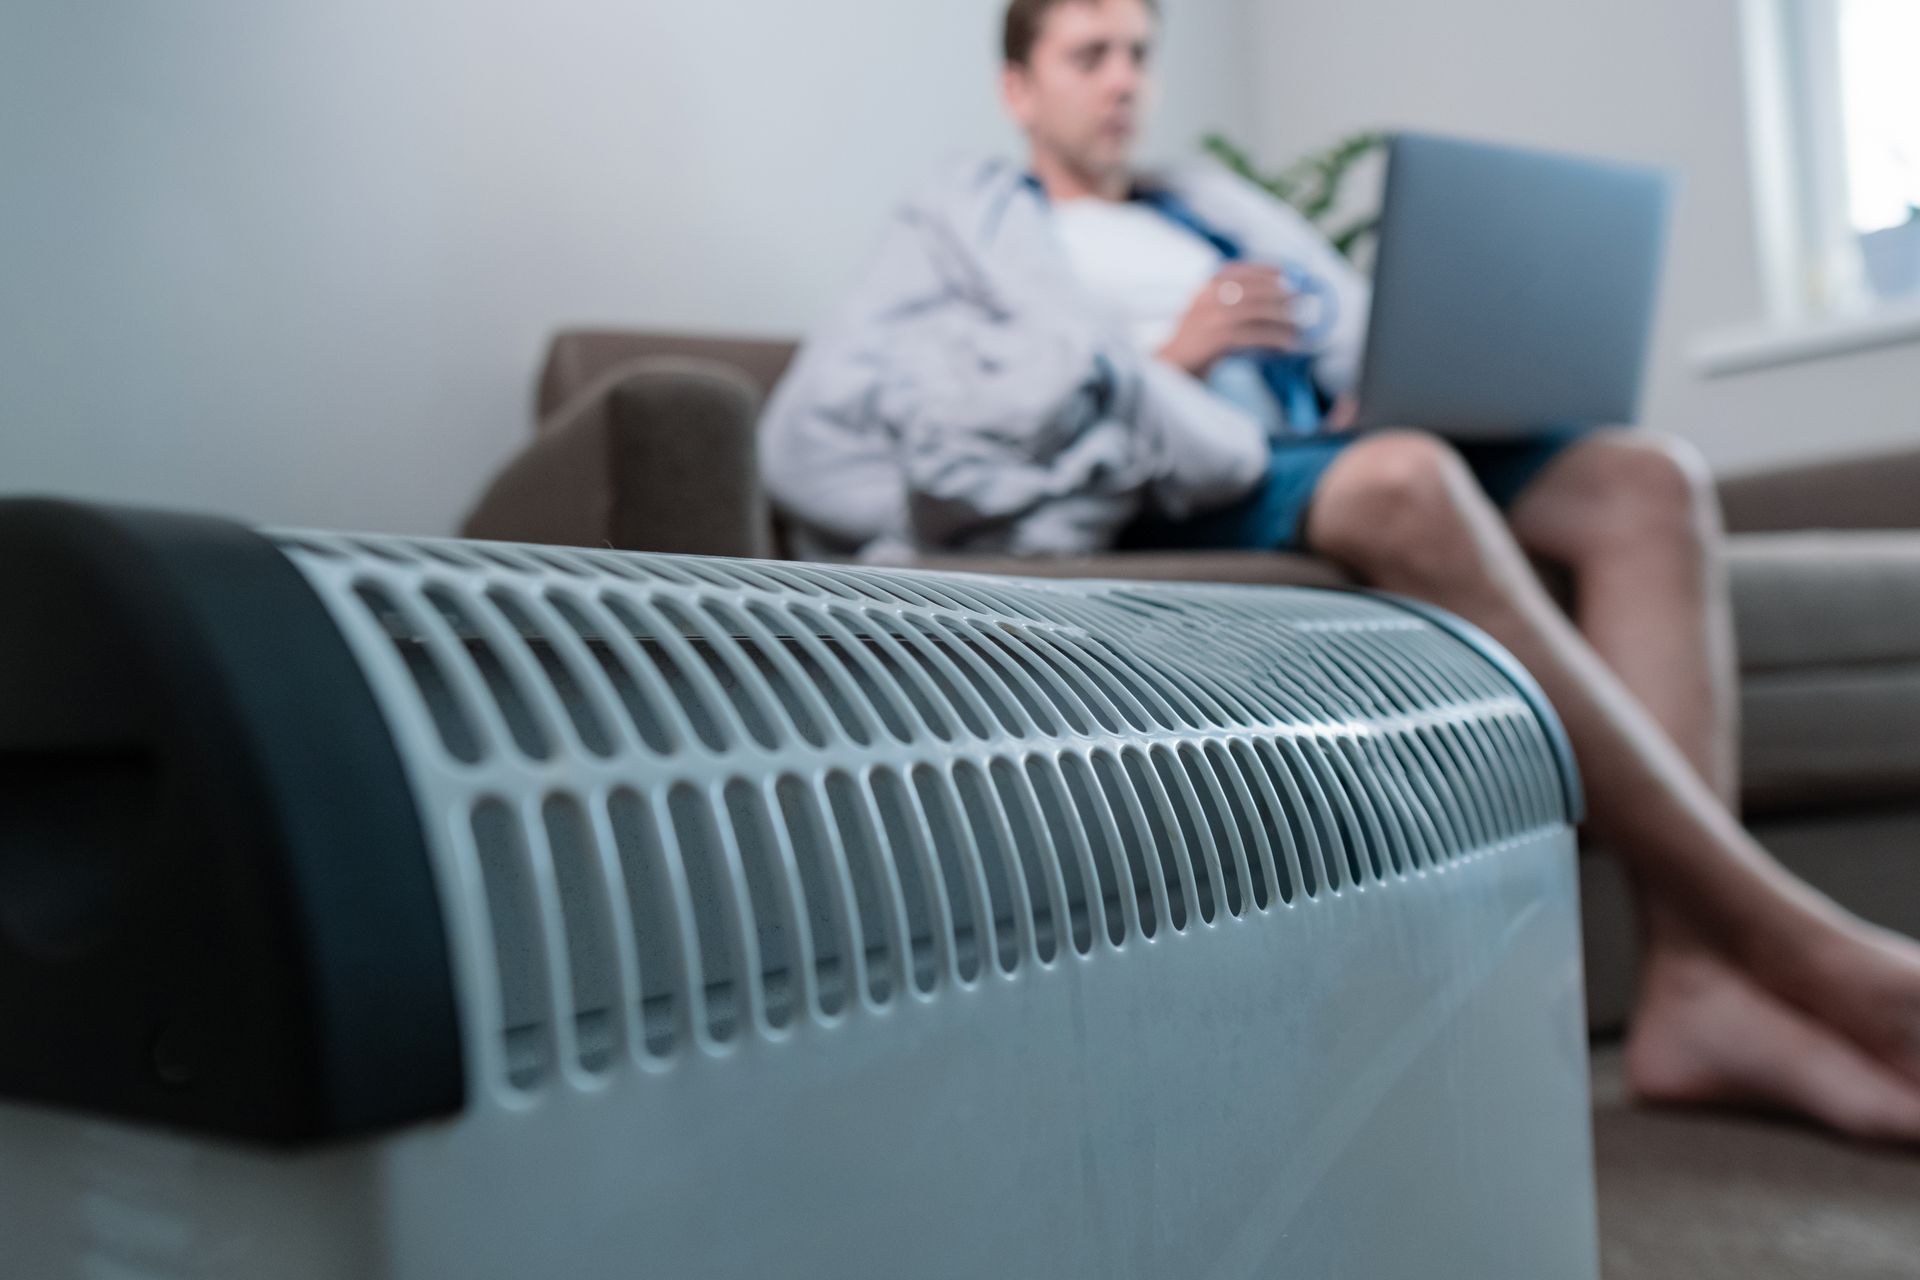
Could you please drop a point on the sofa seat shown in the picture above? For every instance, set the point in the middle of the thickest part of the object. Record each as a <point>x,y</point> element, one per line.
<point>646,440</point>
<point>1828,641</point>
<point>1826,597</point>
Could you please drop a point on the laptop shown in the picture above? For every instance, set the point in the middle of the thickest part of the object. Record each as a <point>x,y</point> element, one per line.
<point>1513,289</point>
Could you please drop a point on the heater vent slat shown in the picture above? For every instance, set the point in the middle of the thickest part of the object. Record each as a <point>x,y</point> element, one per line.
<point>700,805</point>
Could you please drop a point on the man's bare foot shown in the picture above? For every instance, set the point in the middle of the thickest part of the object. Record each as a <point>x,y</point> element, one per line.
<point>1843,973</point>
<point>1707,1035</point>
<point>1865,982</point>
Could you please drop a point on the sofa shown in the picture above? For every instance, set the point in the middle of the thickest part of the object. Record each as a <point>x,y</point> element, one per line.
<point>645,441</point>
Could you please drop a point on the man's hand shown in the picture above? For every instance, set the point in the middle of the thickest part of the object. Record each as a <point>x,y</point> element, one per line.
<point>1345,412</point>
<point>1246,306</point>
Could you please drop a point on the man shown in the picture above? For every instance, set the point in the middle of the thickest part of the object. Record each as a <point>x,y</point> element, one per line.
<point>1019,373</point>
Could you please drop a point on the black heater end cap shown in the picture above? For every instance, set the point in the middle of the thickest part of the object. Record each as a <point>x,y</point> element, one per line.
<point>217,910</point>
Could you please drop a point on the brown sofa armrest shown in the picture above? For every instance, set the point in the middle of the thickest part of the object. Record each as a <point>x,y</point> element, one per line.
<point>656,455</point>
<point>580,358</point>
<point>1877,492</point>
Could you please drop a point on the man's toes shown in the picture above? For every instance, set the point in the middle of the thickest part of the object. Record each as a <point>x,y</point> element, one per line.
<point>1861,1099</point>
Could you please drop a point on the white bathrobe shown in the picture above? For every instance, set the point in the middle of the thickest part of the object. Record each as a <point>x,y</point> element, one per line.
<point>970,395</point>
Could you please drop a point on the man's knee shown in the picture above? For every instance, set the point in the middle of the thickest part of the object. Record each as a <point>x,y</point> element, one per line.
<point>1400,499</point>
<point>1657,486</point>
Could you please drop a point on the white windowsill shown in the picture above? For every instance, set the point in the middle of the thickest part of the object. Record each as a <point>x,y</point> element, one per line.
<point>1768,346</point>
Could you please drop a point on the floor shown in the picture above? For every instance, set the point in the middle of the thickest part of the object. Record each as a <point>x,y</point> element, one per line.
<point>1695,1196</point>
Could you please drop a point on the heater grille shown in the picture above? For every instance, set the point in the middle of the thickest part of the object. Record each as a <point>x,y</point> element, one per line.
<point>686,803</point>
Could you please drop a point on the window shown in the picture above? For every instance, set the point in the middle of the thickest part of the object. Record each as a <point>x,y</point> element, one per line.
<point>1880,110</point>
<point>1836,105</point>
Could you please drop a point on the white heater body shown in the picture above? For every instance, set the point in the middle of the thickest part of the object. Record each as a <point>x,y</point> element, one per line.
<point>836,922</point>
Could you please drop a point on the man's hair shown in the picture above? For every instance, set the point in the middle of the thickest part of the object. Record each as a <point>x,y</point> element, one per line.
<point>1026,17</point>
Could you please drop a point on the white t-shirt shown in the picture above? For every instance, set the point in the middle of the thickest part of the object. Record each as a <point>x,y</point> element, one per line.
<point>1140,266</point>
<point>1144,269</point>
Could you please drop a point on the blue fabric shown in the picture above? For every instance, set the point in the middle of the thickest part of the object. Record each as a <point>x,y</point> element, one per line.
<point>1272,516</point>
<point>1289,377</point>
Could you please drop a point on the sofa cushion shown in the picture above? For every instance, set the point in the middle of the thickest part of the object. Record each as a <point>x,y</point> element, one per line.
<point>1826,598</point>
<point>1828,737</point>
<point>1828,626</point>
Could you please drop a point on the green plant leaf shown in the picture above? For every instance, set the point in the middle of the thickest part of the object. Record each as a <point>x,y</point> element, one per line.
<point>1311,184</point>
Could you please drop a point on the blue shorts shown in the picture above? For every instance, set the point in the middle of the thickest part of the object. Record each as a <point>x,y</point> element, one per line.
<point>1272,516</point>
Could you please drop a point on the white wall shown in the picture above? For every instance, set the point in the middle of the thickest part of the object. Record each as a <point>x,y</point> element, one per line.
<point>296,262</point>
<point>1652,80</point>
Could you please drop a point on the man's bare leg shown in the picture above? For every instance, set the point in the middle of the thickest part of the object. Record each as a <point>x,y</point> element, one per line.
<point>1635,518</point>
<point>1404,512</point>
<point>1636,521</point>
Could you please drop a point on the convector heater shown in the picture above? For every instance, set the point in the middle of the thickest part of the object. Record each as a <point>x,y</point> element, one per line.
<point>380,908</point>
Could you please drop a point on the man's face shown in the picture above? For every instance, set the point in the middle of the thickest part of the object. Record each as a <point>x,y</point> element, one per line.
<point>1085,89</point>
